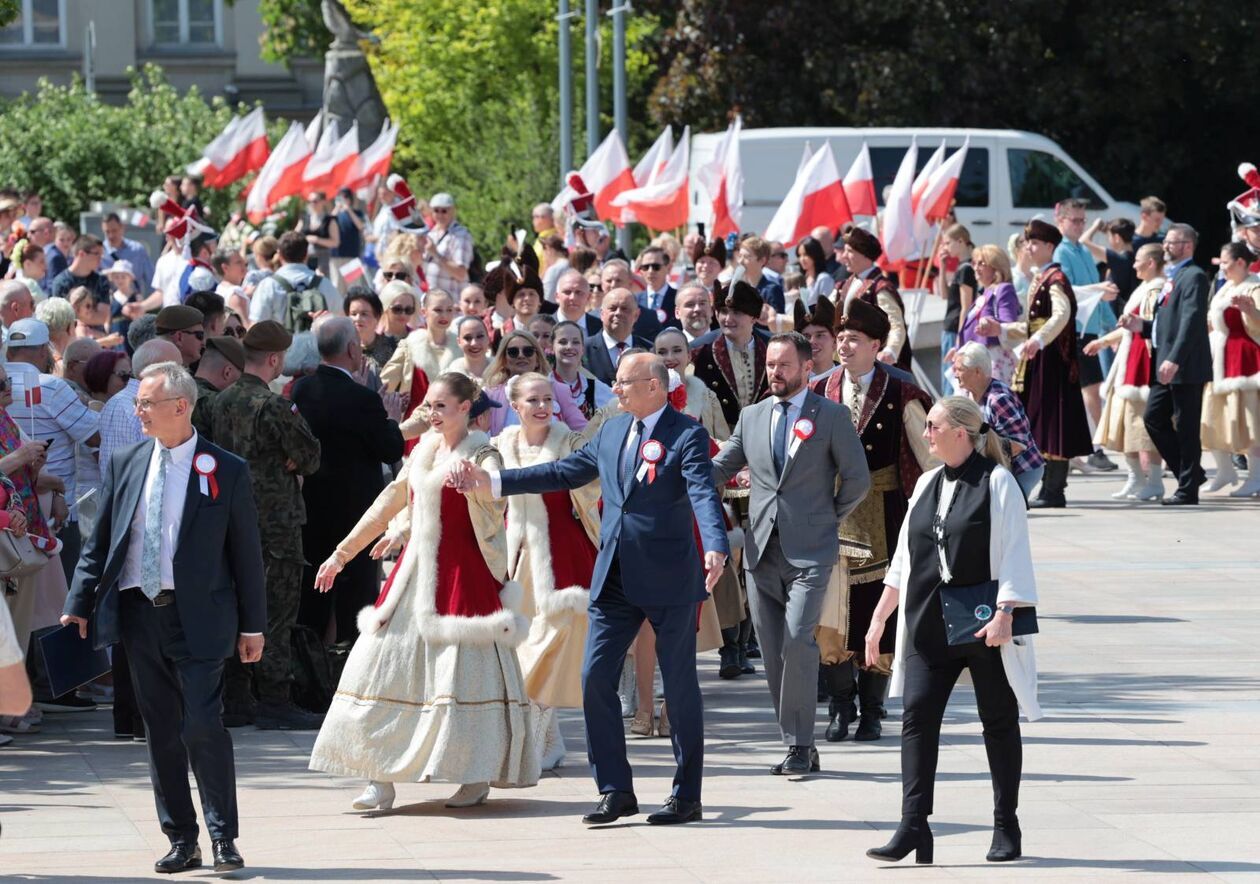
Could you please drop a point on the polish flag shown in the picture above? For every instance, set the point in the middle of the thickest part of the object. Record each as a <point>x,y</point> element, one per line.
<point>240,149</point>
<point>345,162</point>
<point>374,162</point>
<point>724,179</point>
<point>662,205</point>
<point>816,200</point>
<point>351,271</point>
<point>607,173</point>
<point>323,159</point>
<point>646,170</point>
<point>281,176</point>
<point>922,226</point>
<point>34,396</point>
<point>938,195</point>
<point>805,158</point>
<point>859,185</point>
<point>898,228</point>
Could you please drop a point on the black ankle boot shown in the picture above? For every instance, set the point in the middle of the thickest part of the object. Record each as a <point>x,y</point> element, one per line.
<point>872,688</point>
<point>837,681</point>
<point>1052,494</point>
<point>1007,842</point>
<point>912,834</point>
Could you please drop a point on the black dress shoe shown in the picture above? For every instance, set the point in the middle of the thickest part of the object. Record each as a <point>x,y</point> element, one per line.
<point>745,665</point>
<point>842,714</point>
<point>674,811</point>
<point>729,666</point>
<point>1007,843</point>
<point>226,857</point>
<point>181,858</point>
<point>799,760</point>
<point>1180,500</point>
<point>612,807</point>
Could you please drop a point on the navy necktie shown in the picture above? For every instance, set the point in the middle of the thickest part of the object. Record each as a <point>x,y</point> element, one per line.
<point>780,439</point>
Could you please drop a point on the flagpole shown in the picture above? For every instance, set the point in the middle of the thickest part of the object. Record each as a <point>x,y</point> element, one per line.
<point>926,268</point>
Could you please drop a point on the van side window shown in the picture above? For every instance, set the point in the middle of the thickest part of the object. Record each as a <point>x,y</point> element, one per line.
<point>1039,180</point>
<point>973,184</point>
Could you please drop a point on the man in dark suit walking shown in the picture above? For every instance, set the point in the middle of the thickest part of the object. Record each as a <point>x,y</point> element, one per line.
<point>358,434</point>
<point>619,311</point>
<point>174,571</point>
<point>654,468</point>
<point>1182,361</point>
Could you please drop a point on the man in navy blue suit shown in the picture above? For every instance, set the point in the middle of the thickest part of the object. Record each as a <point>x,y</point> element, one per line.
<point>654,468</point>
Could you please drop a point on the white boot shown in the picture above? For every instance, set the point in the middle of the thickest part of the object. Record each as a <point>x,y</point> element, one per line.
<point>1251,487</point>
<point>1226,475</point>
<point>1154,487</point>
<point>469,795</point>
<point>1137,478</point>
<point>553,743</point>
<point>377,796</point>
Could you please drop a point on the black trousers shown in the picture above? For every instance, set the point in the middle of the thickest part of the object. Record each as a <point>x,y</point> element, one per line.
<point>181,701</point>
<point>927,690</point>
<point>1172,422</point>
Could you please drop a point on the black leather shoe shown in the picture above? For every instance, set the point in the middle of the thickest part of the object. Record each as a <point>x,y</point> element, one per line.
<point>1180,500</point>
<point>843,712</point>
<point>869,727</point>
<point>753,650</point>
<point>745,665</point>
<point>1007,843</point>
<point>799,760</point>
<point>181,858</point>
<point>612,807</point>
<point>674,811</point>
<point>729,666</point>
<point>226,857</point>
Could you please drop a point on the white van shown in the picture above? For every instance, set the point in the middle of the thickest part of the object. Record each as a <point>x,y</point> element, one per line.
<point>1008,177</point>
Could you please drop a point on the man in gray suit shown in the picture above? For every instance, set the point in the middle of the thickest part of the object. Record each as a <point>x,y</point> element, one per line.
<point>807,471</point>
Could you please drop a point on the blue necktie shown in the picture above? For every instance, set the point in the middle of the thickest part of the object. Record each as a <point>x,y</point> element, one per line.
<point>780,439</point>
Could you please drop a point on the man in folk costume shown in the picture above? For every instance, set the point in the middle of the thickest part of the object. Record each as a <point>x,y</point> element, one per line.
<point>868,283</point>
<point>733,366</point>
<point>1244,214</point>
<point>817,325</point>
<point>1047,377</point>
<point>889,412</point>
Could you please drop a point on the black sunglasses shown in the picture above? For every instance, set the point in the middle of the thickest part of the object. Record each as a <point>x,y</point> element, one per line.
<point>199,335</point>
<point>403,311</point>
<point>518,352</point>
<point>651,265</point>
<point>395,274</point>
<point>233,332</point>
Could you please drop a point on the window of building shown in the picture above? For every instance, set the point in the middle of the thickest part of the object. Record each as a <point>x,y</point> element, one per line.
<point>38,23</point>
<point>186,22</point>
<point>1039,180</point>
<point>973,182</point>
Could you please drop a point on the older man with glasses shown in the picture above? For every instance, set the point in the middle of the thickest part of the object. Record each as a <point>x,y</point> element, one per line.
<point>447,247</point>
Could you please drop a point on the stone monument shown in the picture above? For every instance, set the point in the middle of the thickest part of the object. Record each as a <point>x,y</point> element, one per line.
<point>350,92</point>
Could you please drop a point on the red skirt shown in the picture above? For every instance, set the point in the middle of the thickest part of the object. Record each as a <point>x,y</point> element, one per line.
<point>1242,354</point>
<point>572,553</point>
<point>465,586</point>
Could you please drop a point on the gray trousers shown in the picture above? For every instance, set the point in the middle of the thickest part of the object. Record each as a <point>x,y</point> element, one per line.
<point>786,603</point>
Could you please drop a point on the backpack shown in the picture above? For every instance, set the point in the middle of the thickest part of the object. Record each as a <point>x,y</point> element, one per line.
<point>305,298</point>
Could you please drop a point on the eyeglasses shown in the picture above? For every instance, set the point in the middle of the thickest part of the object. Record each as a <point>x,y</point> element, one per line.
<point>519,352</point>
<point>402,311</point>
<point>651,265</point>
<point>395,274</point>
<point>199,335</point>
<point>936,428</point>
<point>147,404</point>
<point>123,375</point>
<point>628,381</point>
<point>779,255</point>
<point>1176,242</point>
<point>440,211</point>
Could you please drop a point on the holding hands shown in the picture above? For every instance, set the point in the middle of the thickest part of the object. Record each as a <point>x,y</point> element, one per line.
<point>466,477</point>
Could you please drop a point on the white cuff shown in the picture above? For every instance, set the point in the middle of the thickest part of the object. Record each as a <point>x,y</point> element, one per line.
<point>496,485</point>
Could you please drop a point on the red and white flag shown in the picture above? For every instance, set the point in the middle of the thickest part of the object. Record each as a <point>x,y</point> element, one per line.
<point>661,205</point>
<point>241,148</point>
<point>724,180</point>
<point>938,195</point>
<point>816,200</point>
<point>922,227</point>
<point>337,167</point>
<point>351,271</point>
<point>859,185</point>
<point>653,162</point>
<point>322,159</point>
<point>281,177</point>
<point>607,173</point>
<point>34,396</point>
<point>374,161</point>
<point>898,228</point>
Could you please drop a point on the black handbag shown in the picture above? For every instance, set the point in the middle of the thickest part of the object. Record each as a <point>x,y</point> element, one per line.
<point>968,609</point>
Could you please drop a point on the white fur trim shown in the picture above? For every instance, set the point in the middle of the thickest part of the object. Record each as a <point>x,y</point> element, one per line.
<point>1119,365</point>
<point>370,620</point>
<point>1218,337</point>
<point>528,531</point>
<point>423,356</point>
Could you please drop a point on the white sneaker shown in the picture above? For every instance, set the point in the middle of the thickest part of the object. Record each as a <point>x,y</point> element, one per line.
<point>1130,489</point>
<point>469,795</point>
<point>1251,487</point>
<point>1223,479</point>
<point>1154,487</point>
<point>377,796</point>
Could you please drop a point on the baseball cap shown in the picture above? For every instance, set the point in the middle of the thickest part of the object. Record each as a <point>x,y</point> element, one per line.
<point>28,333</point>
<point>442,201</point>
<point>481,405</point>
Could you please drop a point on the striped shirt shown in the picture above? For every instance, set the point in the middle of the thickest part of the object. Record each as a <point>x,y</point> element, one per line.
<point>119,425</point>
<point>59,417</point>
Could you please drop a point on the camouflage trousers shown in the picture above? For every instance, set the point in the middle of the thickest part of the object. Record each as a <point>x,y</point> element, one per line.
<point>272,675</point>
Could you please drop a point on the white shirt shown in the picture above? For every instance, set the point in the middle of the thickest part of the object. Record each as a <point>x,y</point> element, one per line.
<point>796,402</point>
<point>615,347</point>
<point>166,274</point>
<point>174,495</point>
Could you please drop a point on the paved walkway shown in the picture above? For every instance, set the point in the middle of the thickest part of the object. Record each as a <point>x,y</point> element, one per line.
<point>1148,760</point>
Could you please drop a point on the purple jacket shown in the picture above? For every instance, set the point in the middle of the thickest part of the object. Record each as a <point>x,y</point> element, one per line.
<point>999,301</point>
<point>569,414</point>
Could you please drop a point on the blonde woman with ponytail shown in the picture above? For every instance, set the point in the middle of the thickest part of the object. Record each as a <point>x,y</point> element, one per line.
<point>968,505</point>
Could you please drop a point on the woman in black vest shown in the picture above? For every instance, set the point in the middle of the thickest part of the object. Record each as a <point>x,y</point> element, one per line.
<point>959,512</point>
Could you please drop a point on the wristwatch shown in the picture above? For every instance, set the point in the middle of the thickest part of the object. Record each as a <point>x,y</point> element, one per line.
<point>1008,609</point>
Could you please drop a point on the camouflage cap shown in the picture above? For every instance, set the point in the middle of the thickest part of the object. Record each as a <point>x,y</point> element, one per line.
<point>268,336</point>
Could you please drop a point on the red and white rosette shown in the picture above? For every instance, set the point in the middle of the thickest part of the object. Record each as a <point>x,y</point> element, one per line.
<point>205,466</point>
<point>802,430</point>
<point>652,452</point>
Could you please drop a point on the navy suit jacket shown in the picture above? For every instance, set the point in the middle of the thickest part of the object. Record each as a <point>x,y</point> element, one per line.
<point>220,590</point>
<point>1181,332</point>
<point>598,360</point>
<point>649,529</point>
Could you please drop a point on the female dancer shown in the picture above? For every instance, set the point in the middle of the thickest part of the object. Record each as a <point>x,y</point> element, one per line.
<point>519,353</point>
<point>474,343</point>
<point>432,690</point>
<point>552,541</point>
<point>588,393</point>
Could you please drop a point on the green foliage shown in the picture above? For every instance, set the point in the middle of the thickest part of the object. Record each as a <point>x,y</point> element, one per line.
<point>9,10</point>
<point>72,148</point>
<point>292,28</point>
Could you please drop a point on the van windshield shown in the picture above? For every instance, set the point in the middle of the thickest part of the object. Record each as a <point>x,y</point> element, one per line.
<point>1039,180</point>
<point>973,183</point>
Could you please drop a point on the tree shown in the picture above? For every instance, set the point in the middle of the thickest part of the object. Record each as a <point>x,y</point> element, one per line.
<point>291,29</point>
<point>73,148</point>
<point>8,11</point>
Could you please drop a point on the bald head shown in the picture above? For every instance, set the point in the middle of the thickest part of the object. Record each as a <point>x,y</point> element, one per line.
<point>825,238</point>
<point>619,310</point>
<point>15,302</point>
<point>75,358</point>
<point>151,353</point>
<point>642,384</point>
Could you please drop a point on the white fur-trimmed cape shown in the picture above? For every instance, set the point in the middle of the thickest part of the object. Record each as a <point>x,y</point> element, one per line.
<point>1216,317</point>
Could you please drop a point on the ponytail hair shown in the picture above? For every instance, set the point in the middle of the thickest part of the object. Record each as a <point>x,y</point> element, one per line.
<point>962,412</point>
<point>515,383</point>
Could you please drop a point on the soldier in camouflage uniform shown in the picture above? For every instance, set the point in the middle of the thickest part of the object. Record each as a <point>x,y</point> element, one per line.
<point>267,430</point>
<point>220,366</point>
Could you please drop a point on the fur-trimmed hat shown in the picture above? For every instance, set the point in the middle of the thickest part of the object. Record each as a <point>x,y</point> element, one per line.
<point>582,206</point>
<point>738,296</point>
<point>868,319</point>
<point>823,313</point>
<point>511,273</point>
<point>864,243</point>
<point>1042,231</point>
<point>714,248</point>
<point>1244,209</point>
